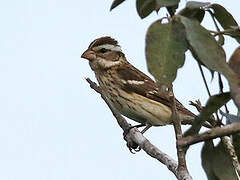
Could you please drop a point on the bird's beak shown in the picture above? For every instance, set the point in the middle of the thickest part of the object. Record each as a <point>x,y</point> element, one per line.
<point>89,55</point>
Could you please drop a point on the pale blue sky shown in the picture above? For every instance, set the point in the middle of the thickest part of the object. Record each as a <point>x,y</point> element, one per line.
<point>52,125</point>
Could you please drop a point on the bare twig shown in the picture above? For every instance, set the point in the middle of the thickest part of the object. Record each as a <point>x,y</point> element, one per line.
<point>220,36</point>
<point>220,82</point>
<point>134,136</point>
<point>225,32</point>
<point>210,134</point>
<point>197,104</point>
<point>204,79</point>
<point>181,153</point>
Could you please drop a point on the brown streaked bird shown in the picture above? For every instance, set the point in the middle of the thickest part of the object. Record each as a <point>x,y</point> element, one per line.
<point>128,90</point>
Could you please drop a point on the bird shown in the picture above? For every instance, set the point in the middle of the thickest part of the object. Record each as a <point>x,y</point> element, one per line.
<point>128,90</point>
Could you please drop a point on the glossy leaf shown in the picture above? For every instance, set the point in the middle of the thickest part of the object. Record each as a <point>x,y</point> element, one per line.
<point>226,20</point>
<point>204,46</point>
<point>171,5</point>
<point>145,7</point>
<point>165,50</point>
<point>194,10</point>
<point>116,3</point>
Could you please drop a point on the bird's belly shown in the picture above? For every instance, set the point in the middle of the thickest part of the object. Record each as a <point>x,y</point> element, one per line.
<point>143,110</point>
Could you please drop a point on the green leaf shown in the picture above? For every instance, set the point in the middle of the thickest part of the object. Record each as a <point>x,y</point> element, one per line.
<point>172,9</point>
<point>204,47</point>
<point>223,16</point>
<point>226,20</point>
<point>171,5</point>
<point>116,3</point>
<point>165,50</point>
<point>194,10</point>
<point>213,104</point>
<point>145,7</point>
<point>234,64</point>
<point>166,3</point>
<point>196,4</point>
<point>216,162</point>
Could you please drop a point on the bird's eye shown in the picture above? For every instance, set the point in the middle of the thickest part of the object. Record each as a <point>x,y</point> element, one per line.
<point>103,50</point>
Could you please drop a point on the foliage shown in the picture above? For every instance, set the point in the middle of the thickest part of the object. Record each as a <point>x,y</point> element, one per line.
<point>166,44</point>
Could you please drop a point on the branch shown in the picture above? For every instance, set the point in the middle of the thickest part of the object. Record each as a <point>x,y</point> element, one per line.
<point>210,134</point>
<point>134,136</point>
<point>121,121</point>
<point>150,149</point>
<point>229,147</point>
<point>181,153</point>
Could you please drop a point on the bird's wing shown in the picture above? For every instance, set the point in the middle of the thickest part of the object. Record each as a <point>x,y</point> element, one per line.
<point>133,80</point>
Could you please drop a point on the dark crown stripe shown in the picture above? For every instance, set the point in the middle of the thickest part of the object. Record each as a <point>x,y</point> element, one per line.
<point>102,41</point>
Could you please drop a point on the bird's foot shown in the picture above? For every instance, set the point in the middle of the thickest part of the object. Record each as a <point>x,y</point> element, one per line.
<point>128,129</point>
<point>132,146</point>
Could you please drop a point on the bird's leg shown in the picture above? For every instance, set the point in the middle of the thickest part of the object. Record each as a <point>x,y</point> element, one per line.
<point>136,126</point>
<point>133,147</point>
<point>146,128</point>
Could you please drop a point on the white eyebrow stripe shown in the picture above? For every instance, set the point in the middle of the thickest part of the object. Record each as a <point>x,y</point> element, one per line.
<point>110,47</point>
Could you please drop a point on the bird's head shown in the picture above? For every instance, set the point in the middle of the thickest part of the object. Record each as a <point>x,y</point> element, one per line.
<point>104,53</point>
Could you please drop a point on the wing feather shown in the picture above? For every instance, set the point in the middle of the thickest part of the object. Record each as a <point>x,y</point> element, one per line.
<point>136,81</point>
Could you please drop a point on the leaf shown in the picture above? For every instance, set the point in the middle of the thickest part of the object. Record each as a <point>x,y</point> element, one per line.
<point>223,16</point>
<point>172,9</point>
<point>194,10</point>
<point>226,20</point>
<point>234,82</point>
<point>234,61</point>
<point>204,47</point>
<point>116,3</point>
<point>213,104</point>
<point>165,50</point>
<point>217,162</point>
<point>166,3</point>
<point>145,7</point>
<point>196,4</point>
<point>231,118</point>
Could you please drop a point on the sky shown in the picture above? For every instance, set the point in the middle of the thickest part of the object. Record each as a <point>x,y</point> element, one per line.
<point>52,125</point>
